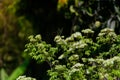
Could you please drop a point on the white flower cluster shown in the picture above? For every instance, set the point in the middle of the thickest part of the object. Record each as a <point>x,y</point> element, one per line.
<point>25,78</point>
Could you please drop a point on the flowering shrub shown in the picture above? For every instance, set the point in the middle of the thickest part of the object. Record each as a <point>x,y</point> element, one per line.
<point>25,78</point>
<point>78,57</point>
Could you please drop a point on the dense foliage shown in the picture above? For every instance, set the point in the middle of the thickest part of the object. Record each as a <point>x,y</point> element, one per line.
<point>78,57</point>
<point>91,14</point>
<point>20,18</point>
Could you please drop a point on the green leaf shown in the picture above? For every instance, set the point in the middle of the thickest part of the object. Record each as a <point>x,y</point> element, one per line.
<point>19,70</point>
<point>61,56</point>
<point>72,10</point>
<point>3,75</point>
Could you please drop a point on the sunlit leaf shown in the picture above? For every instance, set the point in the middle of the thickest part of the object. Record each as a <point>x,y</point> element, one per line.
<point>72,10</point>
<point>3,74</point>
